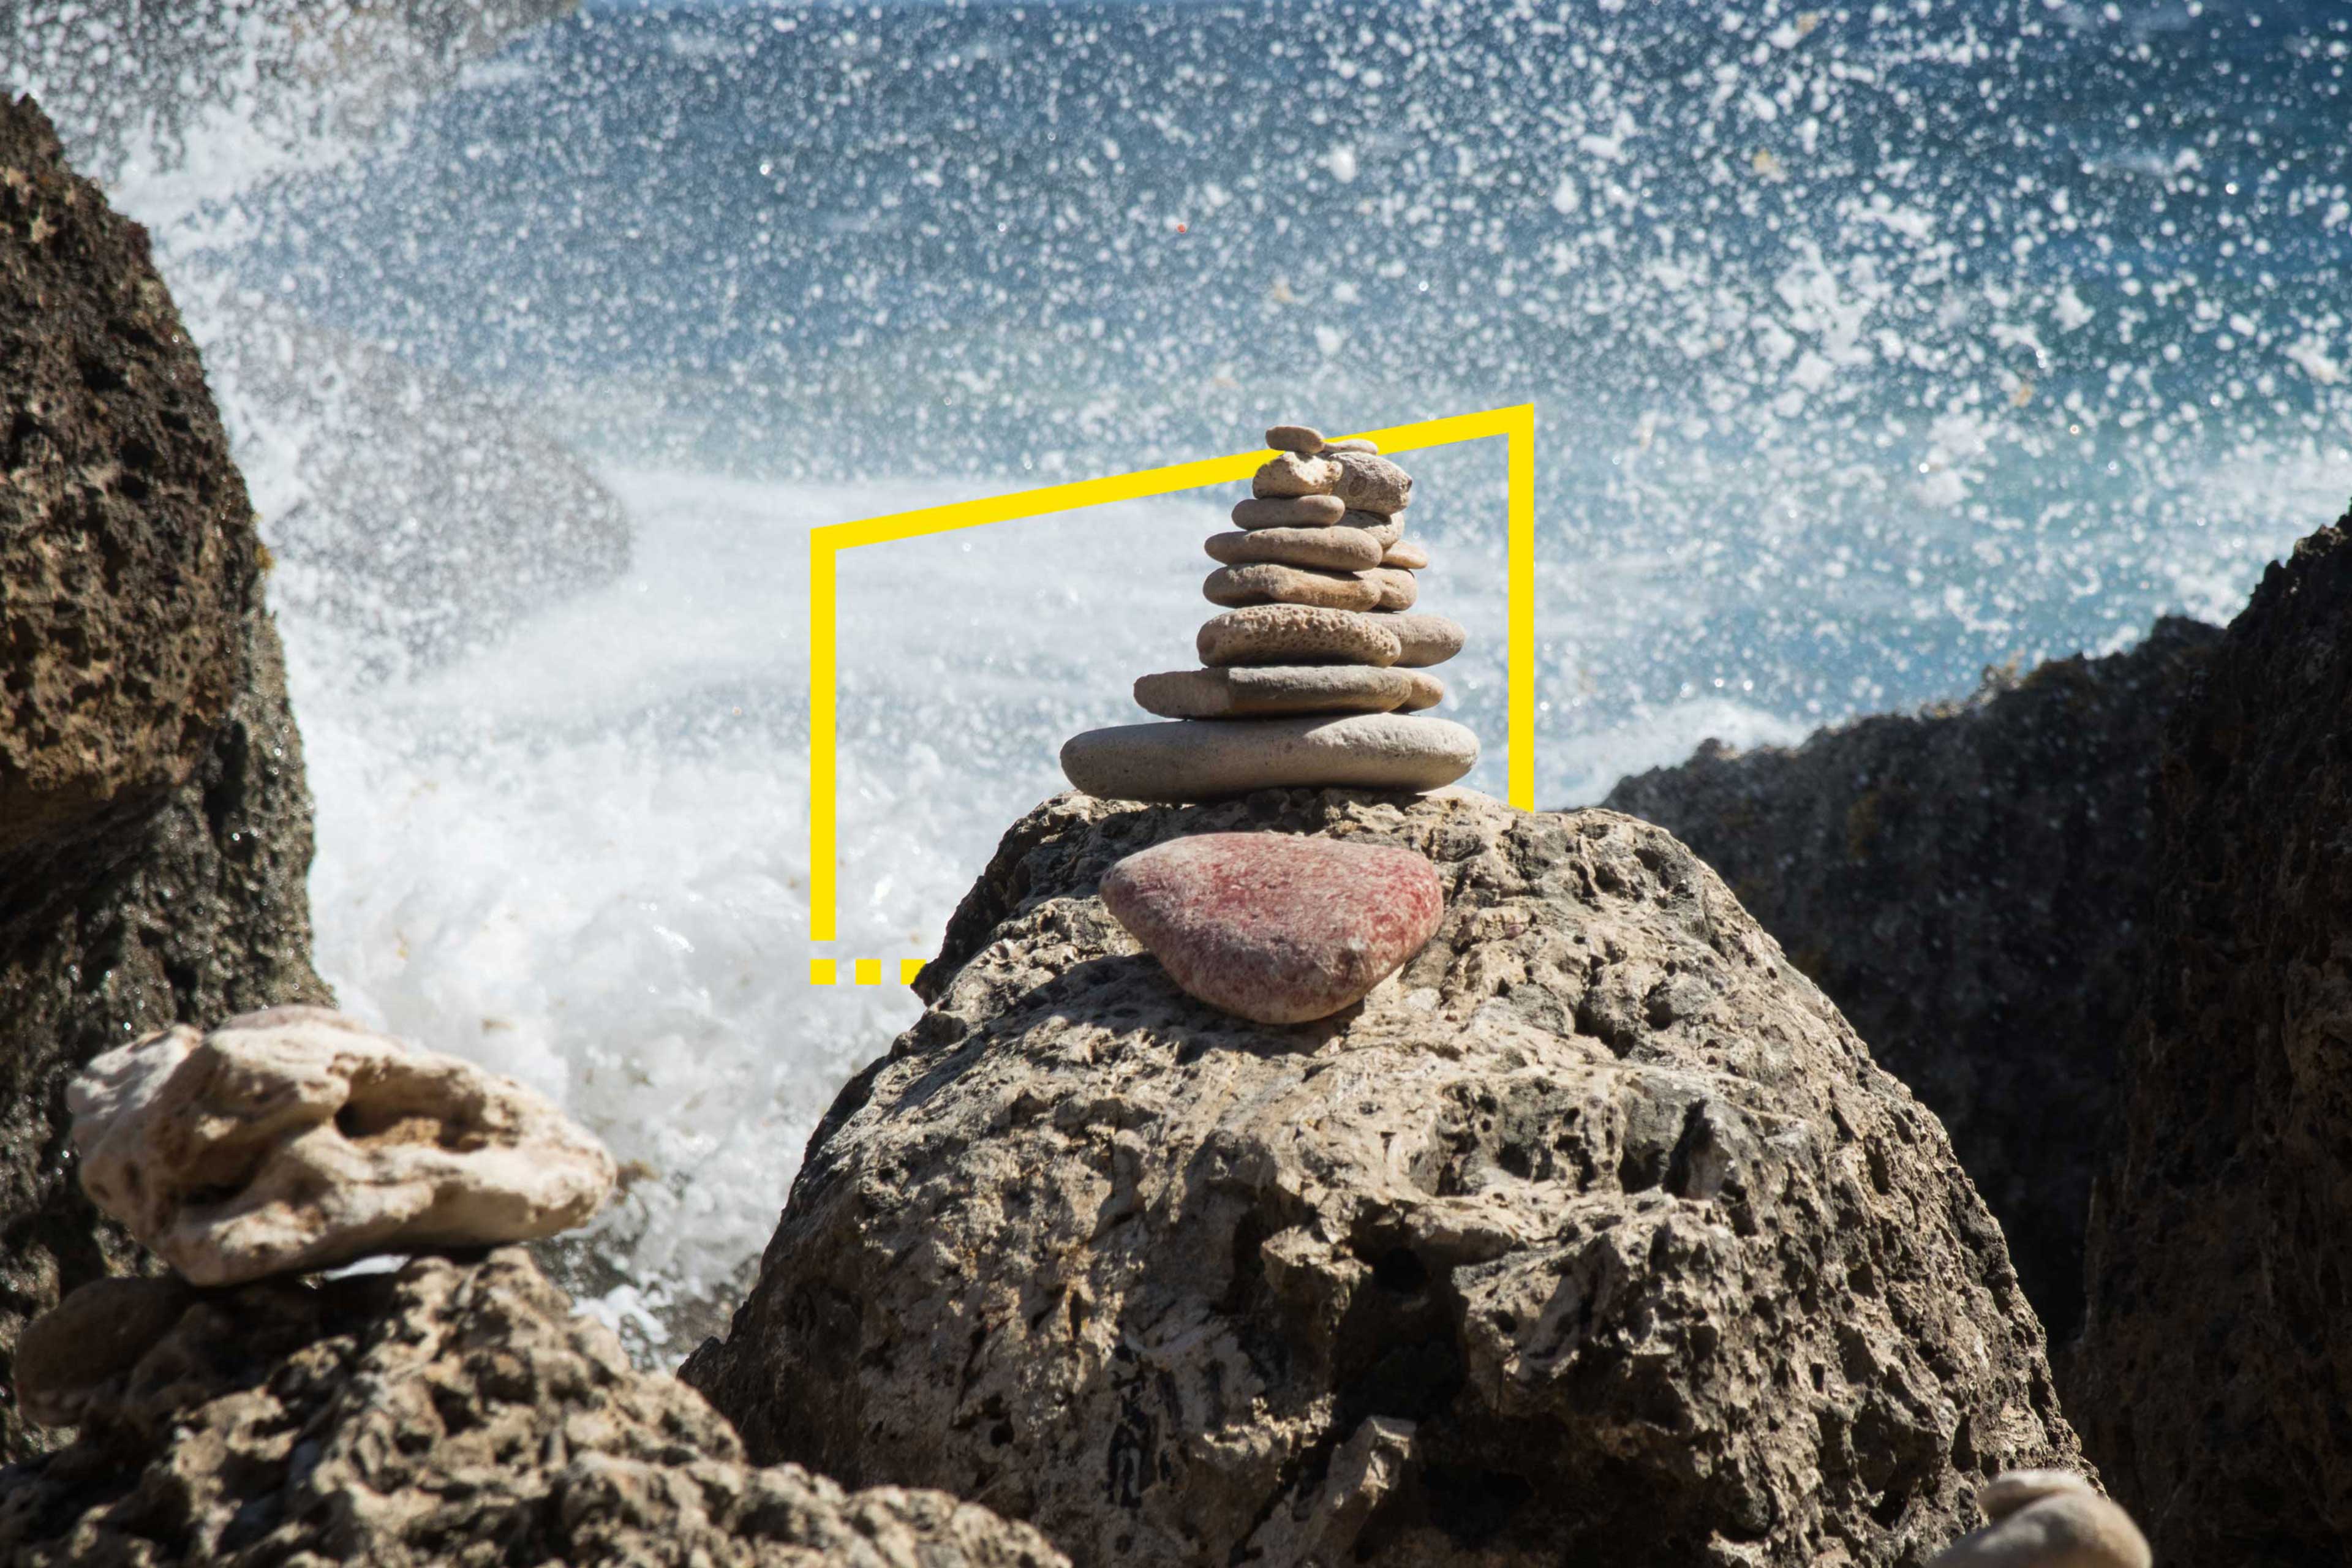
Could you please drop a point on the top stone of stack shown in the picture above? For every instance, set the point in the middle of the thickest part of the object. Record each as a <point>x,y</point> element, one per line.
<point>1309,675</point>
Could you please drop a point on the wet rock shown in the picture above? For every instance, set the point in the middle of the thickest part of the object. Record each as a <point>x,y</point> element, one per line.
<point>1273,927</point>
<point>2213,1375</point>
<point>457,1413</point>
<point>296,1139</point>
<point>2047,1518</point>
<point>1596,1237</point>
<point>165,876</point>
<point>1202,759</point>
<point>1971,885</point>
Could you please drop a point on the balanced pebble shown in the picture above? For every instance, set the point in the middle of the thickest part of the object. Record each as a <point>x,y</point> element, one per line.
<point>1295,439</point>
<point>1352,444</point>
<point>1407,555</point>
<point>1201,759</point>
<point>1396,589</point>
<point>1288,474</point>
<point>1366,482</point>
<point>1427,691</point>
<point>1424,640</point>
<point>2047,1518</point>
<point>1292,511</point>
<point>1301,634</point>
<point>1387,529</point>
<point>1278,689</point>
<point>1266,583</point>
<point>1336,549</point>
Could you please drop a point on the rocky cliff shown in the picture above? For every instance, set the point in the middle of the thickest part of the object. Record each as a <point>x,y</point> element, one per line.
<point>2215,1370</point>
<point>1971,886</point>
<point>451,1413</point>
<point>154,831</point>
<point>1594,1235</point>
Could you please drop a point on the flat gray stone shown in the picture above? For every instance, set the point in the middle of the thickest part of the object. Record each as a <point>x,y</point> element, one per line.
<point>1203,759</point>
<point>1367,482</point>
<point>1298,634</point>
<point>1427,691</point>
<point>1387,529</point>
<point>1288,474</point>
<point>1278,688</point>
<point>1295,439</point>
<point>1396,588</point>
<point>1335,549</point>
<point>1424,640</point>
<point>1407,554</point>
<point>1266,583</point>
<point>1290,511</point>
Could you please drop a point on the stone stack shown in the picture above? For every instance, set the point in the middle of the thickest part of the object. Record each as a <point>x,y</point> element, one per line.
<point>1316,670</point>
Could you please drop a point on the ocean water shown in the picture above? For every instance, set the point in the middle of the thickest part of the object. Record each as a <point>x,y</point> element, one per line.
<point>1870,345</point>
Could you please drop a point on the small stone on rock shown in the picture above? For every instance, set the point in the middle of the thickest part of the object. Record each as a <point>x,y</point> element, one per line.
<point>1295,634</point>
<point>1352,444</point>
<point>1427,691</point>
<point>1397,589</point>
<point>1267,583</point>
<point>1386,530</point>
<point>1204,759</point>
<point>1290,511</point>
<point>1303,439</point>
<point>1288,474</point>
<point>1406,553</point>
<point>1275,927</point>
<point>1369,483</point>
<point>1424,640</point>
<point>1276,689</point>
<point>1334,549</point>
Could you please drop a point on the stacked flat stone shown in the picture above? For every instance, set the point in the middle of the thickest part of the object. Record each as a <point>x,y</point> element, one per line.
<point>1317,673</point>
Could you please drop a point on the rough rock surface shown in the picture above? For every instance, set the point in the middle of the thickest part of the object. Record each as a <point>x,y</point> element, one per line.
<point>138,904</point>
<point>296,1138</point>
<point>1970,885</point>
<point>451,1413</point>
<point>1595,1237</point>
<point>2215,1373</point>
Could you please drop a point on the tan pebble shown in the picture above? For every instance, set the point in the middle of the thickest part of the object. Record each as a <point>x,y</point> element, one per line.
<point>1291,511</point>
<point>1274,688</point>
<point>1288,474</point>
<point>1407,554</point>
<point>1295,634</point>
<point>2047,1518</point>
<point>1267,583</point>
<point>1204,759</point>
<point>1335,549</point>
<point>1352,444</point>
<point>1422,639</point>
<point>1295,439</point>
<point>1397,589</point>
<point>1369,483</point>
<point>1387,529</point>
<point>1427,691</point>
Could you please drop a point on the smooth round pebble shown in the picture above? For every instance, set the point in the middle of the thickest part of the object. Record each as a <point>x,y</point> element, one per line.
<point>1424,640</point>
<point>1288,474</point>
<point>1266,582</point>
<point>2047,1518</point>
<point>1203,759</point>
<point>1427,691</point>
<point>1334,549</point>
<point>1294,438</point>
<point>1299,634</point>
<point>1368,483</point>
<point>1276,689</point>
<point>1407,554</point>
<point>1396,589</point>
<point>1275,927</point>
<point>1387,529</point>
<point>1352,444</point>
<point>1291,511</point>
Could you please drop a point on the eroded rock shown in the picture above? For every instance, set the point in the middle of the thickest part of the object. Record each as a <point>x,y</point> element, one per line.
<point>295,1138</point>
<point>1595,1237</point>
<point>449,1412</point>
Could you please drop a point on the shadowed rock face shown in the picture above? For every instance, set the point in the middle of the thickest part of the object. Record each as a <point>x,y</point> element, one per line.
<point>154,832</point>
<point>2216,1365</point>
<point>1593,1235</point>
<point>1971,886</point>
<point>452,1412</point>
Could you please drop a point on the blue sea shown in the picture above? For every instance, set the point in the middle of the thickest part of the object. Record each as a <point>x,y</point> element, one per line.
<point>1870,345</point>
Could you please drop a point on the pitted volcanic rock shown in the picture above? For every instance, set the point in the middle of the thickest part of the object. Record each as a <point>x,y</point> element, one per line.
<point>1275,927</point>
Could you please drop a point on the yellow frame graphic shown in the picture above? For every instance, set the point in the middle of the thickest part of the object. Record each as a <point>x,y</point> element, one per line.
<point>827,543</point>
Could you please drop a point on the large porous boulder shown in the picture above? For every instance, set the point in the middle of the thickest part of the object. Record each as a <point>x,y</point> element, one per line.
<point>1592,1235</point>
<point>154,831</point>
<point>2216,1365</point>
<point>456,1412</point>
<point>1970,885</point>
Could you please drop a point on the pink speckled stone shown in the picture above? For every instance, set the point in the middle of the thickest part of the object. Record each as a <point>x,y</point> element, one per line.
<point>1272,926</point>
